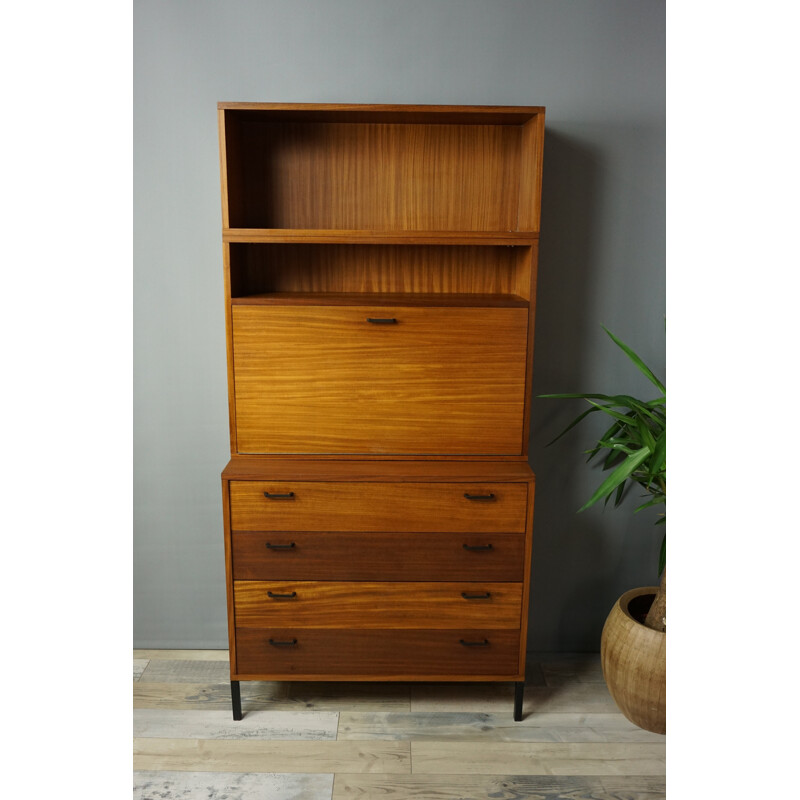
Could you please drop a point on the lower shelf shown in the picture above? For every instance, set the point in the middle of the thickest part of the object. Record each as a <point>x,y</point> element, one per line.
<point>336,654</point>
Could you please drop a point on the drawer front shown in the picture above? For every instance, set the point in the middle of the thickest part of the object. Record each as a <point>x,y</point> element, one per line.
<point>389,507</point>
<point>378,556</point>
<point>356,653</point>
<point>366,604</point>
<point>322,379</point>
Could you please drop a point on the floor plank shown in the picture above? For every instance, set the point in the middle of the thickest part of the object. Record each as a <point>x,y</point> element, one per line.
<point>255,695</point>
<point>501,787</point>
<point>344,696</point>
<point>183,655</point>
<point>582,668</point>
<point>499,727</point>
<point>534,758</point>
<point>198,755</point>
<point>160,723</point>
<point>427,741</point>
<point>186,671</point>
<point>479,697</point>
<point>150,785</point>
<point>273,695</point>
<point>499,698</point>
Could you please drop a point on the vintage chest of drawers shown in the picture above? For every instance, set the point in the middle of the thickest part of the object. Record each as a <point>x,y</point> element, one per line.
<point>380,274</point>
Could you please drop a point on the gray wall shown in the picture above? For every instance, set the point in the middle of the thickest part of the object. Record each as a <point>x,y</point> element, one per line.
<point>598,67</point>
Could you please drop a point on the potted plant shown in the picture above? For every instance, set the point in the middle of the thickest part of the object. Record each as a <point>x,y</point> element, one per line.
<point>633,449</point>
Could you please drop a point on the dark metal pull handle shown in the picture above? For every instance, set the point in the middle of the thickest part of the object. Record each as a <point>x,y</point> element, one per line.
<point>382,321</point>
<point>484,643</point>
<point>479,496</point>
<point>275,596</point>
<point>483,596</point>
<point>473,547</point>
<point>286,496</point>
<point>276,643</point>
<point>271,546</point>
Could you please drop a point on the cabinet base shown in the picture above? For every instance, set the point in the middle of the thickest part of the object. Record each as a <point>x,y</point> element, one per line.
<point>236,700</point>
<point>519,690</point>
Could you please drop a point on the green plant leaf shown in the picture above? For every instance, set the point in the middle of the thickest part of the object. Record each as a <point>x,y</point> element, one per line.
<point>620,474</point>
<point>652,502</point>
<point>659,454</point>
<point>662,556</point>
<point>646,435</point>
<point>640,365</point>
<point>634,444</point>
<point>572,424</point>
<point>612,412</point>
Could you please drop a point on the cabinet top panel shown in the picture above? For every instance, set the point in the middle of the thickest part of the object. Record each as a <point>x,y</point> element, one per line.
<point>384,113</point>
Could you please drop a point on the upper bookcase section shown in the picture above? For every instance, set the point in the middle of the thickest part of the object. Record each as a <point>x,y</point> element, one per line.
<point>381,173</point>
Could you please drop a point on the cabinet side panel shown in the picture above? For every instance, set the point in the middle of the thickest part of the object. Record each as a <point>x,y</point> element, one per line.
<point>223,169</point>
<point>226,517</point>
<point>526,585</point>
<point>231,169</point>
<point>530,255</point>
<point>530,178</point>
<point>226,259</point>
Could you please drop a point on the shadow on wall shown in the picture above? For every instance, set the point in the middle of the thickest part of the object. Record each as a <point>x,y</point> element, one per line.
<point>573,580</point>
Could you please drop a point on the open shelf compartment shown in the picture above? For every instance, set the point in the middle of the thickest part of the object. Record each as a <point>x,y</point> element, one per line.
<point>383,274</point>
<point>375,169</point>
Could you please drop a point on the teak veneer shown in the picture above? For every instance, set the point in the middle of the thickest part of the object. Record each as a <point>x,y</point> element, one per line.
<point>380,282</point>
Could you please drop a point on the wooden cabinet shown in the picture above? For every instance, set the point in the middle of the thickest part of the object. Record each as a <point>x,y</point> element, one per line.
<point>380,276</point>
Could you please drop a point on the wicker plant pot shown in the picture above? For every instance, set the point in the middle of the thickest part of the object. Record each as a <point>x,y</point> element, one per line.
<point>634,659</point>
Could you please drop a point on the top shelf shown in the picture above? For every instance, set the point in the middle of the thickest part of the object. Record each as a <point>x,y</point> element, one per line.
<point>385,113</point>
<point>315,236</point>
<point>380,173</point>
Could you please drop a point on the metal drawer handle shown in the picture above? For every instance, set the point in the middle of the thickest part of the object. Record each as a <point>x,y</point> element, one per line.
<point>483,596</point>
<point>276,643</point>
<point>473,547</point>
<point>479,496</point>
<point>275,596</point>
<point>382,321</point>
<point>271,546</point>
<point>484,643</point>
<point>287,496</point>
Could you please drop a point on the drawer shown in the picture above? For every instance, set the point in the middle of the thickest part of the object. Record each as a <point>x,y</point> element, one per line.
<point>324,379</point>
<point>366,604</point>
<point>390,507</point>
<point>381,556</point>
<point>353,653</point>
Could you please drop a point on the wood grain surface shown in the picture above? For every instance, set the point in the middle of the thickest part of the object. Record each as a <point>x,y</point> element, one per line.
<point>381,470</point>
<point>500,787</point>
<point>320,379</point>
<point>371,604</point>
<point>397,655</point>
<point>221,755</point>
<point>379,176</point>
<point>360,269</point>
<point>445,741</point>
<point>389,507</point>
<point>377,556</point>
<point>182,785</point>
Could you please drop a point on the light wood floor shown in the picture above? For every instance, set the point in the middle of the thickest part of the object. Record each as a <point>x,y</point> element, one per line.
<point>329,741</point>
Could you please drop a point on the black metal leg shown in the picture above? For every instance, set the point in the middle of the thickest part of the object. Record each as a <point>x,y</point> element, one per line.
<point>519,689</point>
<point>236,700</point>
